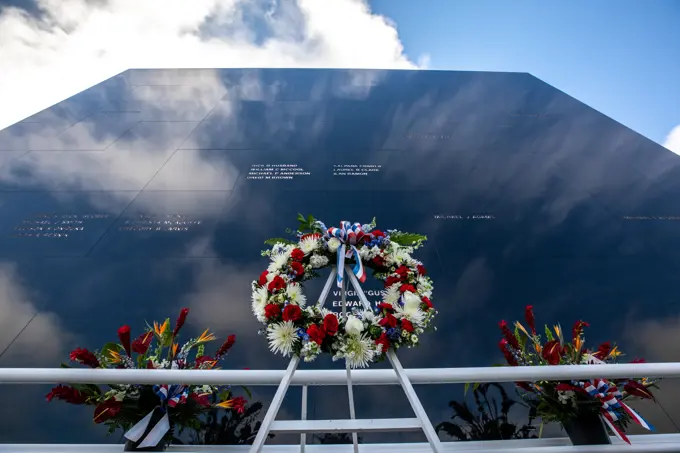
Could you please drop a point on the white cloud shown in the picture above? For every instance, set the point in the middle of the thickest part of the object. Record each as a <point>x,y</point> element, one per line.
<point>78,43</point>
<point>26,333</point>
<point>673,140</point>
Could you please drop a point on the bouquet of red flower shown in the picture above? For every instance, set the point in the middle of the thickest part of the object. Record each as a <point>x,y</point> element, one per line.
<point>154,410</point>
<point>566,401</point>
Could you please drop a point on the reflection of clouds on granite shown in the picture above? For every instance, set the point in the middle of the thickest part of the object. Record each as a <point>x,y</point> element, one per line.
<point>33,335</point>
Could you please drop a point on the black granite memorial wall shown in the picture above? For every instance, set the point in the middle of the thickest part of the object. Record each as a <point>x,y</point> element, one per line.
<point>155,190</point>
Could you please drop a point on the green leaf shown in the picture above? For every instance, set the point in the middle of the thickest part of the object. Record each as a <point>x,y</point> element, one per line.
<point>274,241</point>
<point>108,347</point>
<point>245,389</point>
<point>64,365</point>
<point>301,218</point>
<point>467,387</point>
<point>407,239</point>
<point>548,334</point>
<point>310,219</point>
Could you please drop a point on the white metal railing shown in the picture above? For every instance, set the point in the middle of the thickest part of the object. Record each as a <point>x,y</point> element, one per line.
<point>418,376</point>
<point>669,443</point>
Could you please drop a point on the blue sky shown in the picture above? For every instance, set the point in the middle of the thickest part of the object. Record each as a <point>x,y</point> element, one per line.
<point>620,57</point>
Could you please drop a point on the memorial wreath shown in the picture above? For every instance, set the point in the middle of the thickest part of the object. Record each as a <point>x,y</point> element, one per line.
<point>363,336</point>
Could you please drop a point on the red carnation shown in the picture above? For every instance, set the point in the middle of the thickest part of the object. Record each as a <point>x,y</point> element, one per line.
<point>107,410</point>
<point>201,400</point>
<point>180,321</point>
<point>509,336</point>
<point>405,287</point>
<point>330,324</point>
<point>551,352</point>
<point>428,304</point>
<point>502,345</point>
<point>402,271</point>
<point>603,350</point>
<point>406,325</point>
<point>638,360</point>
<point>310,235</point>
<point>297,255</point>
<point>84,357</point>
<point>421,269</point>
<point>378,234</point>
<point>379,261</point>
<point>529,315</point>
<point>384,341</point>
<point>386,306</point>
<point>66,393</point>
<point>391,280</point>
<point>149,365</point>
<point>276,284</point>
<point>124,336</point>
<point>263,278</point>
<point>226,346</point>
<point>292,313</point>
<point>142,343</point>
<point>316,333</point>
<point>272,311</point>
<point>388,321</point>
<point>297,268</point>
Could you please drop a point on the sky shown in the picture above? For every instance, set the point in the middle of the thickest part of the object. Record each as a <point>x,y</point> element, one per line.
<point>619,56</point>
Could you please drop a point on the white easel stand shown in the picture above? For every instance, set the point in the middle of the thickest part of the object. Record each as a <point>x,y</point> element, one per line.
<point>354,426</point>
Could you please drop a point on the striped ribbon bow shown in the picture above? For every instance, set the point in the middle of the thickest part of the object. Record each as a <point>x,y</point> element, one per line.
<point>610,397</point>
<point>349,235</point>
<point>169,396</point>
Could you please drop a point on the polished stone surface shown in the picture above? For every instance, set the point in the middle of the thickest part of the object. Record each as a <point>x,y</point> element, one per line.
<point>148,193</point>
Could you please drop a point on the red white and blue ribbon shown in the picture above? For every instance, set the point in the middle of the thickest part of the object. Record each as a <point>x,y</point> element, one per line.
<point>349,235</point>
<point>610,397</point>
<point>170,396</point>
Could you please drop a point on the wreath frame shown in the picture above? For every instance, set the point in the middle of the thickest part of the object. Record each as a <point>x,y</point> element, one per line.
<point>363,336</point>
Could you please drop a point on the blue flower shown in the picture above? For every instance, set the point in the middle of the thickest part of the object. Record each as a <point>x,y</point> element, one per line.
<point>393,333</point>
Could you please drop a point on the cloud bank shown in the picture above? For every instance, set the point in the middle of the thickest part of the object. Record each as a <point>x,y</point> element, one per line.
<point>74,44</point>
<point>673,140</point>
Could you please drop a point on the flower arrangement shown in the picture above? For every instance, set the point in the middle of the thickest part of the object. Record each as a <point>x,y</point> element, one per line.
<point>363,336</point>
<point>122,406</point>
<point>568,400</point>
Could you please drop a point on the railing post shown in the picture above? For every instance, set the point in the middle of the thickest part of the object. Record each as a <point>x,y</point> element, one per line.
<point>303,436</point>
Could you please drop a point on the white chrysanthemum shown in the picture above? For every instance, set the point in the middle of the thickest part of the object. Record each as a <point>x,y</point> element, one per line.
<point>354,326</point>
<point>392,294</point>
<point>259,300</point>
<point>365,253</point>
<point>411,308</point>
<point>369,317</point>
<point>278,261</point>
<point>308,245</point>
<point>333,244</point>
<point>282,337</point>
<point>294,293</point>
<point>401,256</point>
<point>359,351</point>
<point>318,261</point>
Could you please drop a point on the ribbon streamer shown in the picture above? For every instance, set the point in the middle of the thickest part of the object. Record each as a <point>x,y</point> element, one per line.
<point>610,397</point>
<point>170,396</point>
<point>349,235</point>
